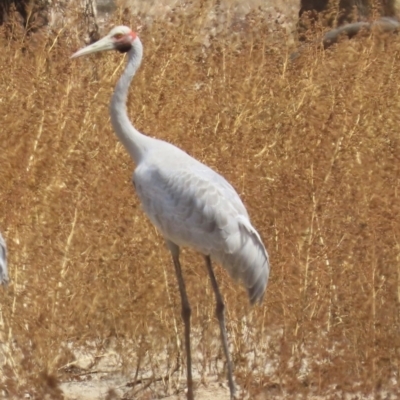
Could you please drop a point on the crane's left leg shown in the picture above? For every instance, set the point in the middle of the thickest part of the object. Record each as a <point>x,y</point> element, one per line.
<point>220,311</point>
<point>186,312</point>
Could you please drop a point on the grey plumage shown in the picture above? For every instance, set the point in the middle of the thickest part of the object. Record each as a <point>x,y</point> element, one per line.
<point>3,262</point>
<point>194,206</point>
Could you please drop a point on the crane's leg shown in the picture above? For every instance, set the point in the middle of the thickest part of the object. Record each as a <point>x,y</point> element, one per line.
<point>220,311</point>
<point>186,311</point>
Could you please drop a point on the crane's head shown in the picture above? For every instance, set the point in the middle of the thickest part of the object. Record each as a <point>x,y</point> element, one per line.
<point>120,38</point>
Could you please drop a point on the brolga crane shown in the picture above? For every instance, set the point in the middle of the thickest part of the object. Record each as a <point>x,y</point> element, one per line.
<point>3,262</point>
<point>189,203</point>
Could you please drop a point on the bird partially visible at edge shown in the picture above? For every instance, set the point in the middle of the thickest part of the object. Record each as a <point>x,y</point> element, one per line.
<point>3,262</point>
<point>189,203</point>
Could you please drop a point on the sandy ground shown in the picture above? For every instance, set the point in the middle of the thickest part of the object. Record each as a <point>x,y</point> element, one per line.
<point>95,376</point>
<point>98,389</point>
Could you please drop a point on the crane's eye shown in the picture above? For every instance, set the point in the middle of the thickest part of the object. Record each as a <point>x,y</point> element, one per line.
<point>118,36</point>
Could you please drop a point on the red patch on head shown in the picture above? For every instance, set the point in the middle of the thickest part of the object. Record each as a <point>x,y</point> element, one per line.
<point>132,35</point>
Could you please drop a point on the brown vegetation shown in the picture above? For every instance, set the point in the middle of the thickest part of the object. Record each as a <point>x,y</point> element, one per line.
<point>344,11</point>
<point>24,17</point>
<point>32,13</point>
<point>312,147</point>
<point>334,13</point>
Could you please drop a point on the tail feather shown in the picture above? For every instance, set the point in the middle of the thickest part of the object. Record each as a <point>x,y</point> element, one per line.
<point>249,262</point>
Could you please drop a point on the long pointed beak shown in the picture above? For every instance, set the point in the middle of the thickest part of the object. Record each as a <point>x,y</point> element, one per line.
<point>101,45</point>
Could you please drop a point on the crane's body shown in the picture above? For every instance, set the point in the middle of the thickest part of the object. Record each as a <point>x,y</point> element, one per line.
<point>193,206</point>
<point>189,203</point>
<point>3,262</point>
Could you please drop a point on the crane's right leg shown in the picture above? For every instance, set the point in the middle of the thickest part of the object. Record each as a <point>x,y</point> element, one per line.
<point>186,311</point>
<point>220,311</point>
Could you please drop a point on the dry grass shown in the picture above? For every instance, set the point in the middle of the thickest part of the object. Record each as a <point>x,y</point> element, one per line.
<point>313,149</point>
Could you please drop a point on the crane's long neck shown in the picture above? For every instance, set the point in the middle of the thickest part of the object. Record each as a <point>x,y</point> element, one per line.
<point>135,142</point>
